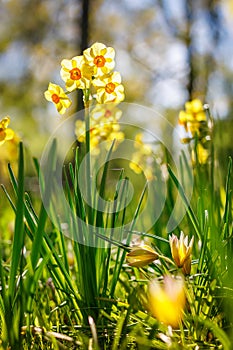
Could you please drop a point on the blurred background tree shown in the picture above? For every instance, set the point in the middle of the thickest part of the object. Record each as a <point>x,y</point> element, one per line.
<point>167,53</point>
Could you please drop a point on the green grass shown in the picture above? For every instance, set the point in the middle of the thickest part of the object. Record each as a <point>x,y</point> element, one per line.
<point>79,293</point>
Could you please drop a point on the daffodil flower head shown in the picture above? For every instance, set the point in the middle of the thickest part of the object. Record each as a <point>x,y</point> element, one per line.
<point>181,251</point>
<point>141,255</point>
<point>193,117</point>
<point>195,110</point>
<point>109,88</point>
<point>56,94</point>
<point>106,113</point>
<point>6,133</point>
<point>101,58</point>
<point>76,73</point>
<point>166,300</point>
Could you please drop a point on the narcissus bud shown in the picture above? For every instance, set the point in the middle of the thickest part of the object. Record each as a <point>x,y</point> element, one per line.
<point>141,256</point>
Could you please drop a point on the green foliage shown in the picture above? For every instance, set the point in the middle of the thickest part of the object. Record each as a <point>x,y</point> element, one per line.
<point>57,292</point>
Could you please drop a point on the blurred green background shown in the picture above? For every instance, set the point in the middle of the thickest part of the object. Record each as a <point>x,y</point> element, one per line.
<point>166,51</point>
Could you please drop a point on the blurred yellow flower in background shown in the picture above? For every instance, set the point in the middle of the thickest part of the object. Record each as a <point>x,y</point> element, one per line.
<point>166,301</point>
<point>193,116</point>
<point>56,94</point>
<point>141,255</point>
<point>181,251</point>
<point>202,154</point>
<point>99,132</point>
<point>100,57</point>
<point>9,148</point>
<point>142,158</point>
<point>5,132</point>
<point>76,73</point>
<point>194,111</point>
<point>105,112</point>
<point>109,88</point>
<point>194,119</point>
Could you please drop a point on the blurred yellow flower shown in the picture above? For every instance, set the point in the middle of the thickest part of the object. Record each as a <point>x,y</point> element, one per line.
<point>57,95</point>
<point>109,88</point>
<point>76,73</point>
<point>167,301</point>
<point>80,130</point>
<point>99,132</point>
<point>141,256</point>
<point>100,57</point>
<point>106,112</point>
<point>5,132</point>
<point>202,154</point>
<point>142,159</point>
<point>193,116</point>
<point>8,154</point>
<point>181,251</point>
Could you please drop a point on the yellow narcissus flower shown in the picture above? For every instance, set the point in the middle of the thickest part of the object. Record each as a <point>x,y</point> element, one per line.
<point>141,256</point>
<point>57,95</point>
<point>181,251</point>
<point>166,301</point>
<point>99,132</point>
<point>193,116</point>
<point>107,113</point>
<point>9,154</point>
<point>195,108</point>
<point>76,73</point>
<point>109,88</point>
<point>100,57</point>
<point>5,132</point>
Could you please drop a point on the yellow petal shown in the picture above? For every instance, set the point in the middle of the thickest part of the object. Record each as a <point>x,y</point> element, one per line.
<point>4,122</point>
<point>9,134</point>
<point>141,256</point>
<point>167,300</point>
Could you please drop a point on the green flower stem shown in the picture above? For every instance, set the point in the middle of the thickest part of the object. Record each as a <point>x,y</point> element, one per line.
<point>166,259</point>
<point>86,94</point>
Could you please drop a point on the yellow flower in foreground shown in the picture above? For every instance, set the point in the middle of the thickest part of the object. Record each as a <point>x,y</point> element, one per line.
<point>141,256</point>
<point>109,88</point>
<point>181,251</point>
<point>5,132</point>
<point>167,301</point>
<point>76,73</point>
<point>100,57</point>
<point>57,95</point>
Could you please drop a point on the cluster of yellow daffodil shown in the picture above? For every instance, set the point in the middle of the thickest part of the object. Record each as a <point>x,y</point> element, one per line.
<point>93,73</point>
<point>166,301</point>
<point>194,120</point>
<point>142,158</point>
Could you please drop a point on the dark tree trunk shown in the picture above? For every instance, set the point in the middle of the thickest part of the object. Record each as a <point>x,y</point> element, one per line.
<point>84,40</point>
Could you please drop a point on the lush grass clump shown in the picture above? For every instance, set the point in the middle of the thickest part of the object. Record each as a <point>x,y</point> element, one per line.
<point>59,293</point>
